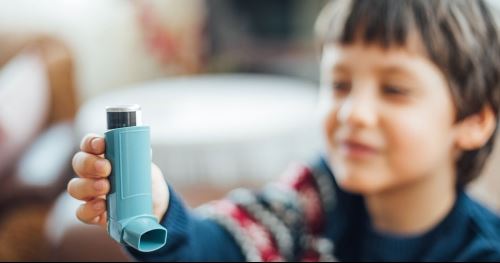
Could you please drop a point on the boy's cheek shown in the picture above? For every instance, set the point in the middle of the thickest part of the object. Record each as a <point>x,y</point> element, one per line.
<point>329,124</point>
<point>414,150</point>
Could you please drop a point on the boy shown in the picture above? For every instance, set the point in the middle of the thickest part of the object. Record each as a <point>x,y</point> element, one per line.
<point>411,93</point>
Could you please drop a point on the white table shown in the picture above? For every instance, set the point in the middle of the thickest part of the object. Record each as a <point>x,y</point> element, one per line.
<point>220,129</point>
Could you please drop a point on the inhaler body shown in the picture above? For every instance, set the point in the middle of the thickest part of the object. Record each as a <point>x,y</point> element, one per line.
<point>129,202</point>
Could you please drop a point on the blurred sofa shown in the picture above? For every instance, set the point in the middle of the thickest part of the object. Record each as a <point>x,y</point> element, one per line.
<point>30,184</point>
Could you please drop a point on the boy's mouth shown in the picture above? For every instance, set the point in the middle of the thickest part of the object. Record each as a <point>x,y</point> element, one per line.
<point>356,149</point>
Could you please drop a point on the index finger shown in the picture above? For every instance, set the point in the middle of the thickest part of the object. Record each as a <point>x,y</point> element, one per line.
<point>93,144</point>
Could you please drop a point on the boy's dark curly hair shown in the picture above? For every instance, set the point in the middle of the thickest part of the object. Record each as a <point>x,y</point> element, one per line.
<point>460,36</point>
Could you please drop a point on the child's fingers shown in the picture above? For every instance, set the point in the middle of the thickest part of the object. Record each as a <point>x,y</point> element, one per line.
<point>87,189</point>
<point>92,212</point>
<point>93,143</point>
<point>90,166</point>
<point>103,218</point>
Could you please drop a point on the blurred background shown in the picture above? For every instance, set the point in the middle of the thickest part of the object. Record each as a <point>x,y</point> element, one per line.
<point>229,88</point>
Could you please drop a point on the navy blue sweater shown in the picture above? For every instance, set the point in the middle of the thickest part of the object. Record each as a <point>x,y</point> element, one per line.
<point>470,232</point>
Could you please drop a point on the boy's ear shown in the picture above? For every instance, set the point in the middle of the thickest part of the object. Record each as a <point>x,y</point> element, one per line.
<point>475,130</point>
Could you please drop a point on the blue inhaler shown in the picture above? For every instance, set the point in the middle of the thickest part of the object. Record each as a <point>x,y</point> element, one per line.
<point>129,203</point>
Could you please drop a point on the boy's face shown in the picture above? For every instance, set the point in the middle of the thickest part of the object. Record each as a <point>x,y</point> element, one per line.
<point>389,118</point>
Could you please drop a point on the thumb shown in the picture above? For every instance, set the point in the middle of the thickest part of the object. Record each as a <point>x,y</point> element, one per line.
<point>160,192</point>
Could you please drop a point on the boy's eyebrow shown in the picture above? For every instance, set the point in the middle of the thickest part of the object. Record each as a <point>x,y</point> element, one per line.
<point>395,70</point>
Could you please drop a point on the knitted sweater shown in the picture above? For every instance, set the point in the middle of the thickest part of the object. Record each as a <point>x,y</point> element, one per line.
<point>306,217</point>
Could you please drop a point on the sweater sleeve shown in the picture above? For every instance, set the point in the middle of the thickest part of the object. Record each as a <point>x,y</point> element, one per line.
<point>191,238</point>
<point>283,221</point>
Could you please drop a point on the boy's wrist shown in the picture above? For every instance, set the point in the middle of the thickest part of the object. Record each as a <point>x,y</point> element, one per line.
<point>161,213</point>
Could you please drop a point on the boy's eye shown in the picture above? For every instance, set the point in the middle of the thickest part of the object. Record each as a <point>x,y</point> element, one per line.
<point>394,90</point>
<point>341,87</point>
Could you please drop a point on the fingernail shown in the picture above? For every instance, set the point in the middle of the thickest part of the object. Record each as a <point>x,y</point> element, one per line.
<point>99,185</point>
<point>100,165</point>
<point>95,144</point>
<point>98,206</point>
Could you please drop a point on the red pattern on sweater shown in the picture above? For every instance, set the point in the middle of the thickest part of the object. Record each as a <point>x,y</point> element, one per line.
<point>260,236</point>
<point>301,180</point>
<point>298,179</point>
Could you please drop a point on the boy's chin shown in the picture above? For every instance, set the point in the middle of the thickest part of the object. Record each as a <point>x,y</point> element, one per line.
<point>359,184</point>
<point>358,180</point>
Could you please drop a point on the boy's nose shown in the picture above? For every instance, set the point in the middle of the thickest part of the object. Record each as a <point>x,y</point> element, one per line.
<point>358,110</point>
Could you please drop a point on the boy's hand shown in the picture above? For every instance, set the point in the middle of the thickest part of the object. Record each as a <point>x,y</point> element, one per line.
<point>92,184</point>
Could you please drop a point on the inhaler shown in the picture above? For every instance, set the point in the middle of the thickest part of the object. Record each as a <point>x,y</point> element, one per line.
<point>129,202</point>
